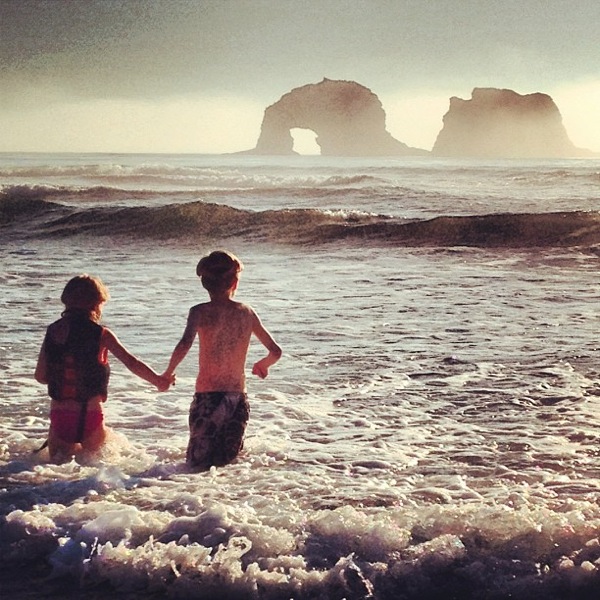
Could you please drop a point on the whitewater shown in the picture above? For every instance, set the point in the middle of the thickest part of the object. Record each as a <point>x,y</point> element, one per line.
<point>431,431</point>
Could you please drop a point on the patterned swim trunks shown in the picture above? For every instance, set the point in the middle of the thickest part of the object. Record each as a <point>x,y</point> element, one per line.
<point>217,425</point>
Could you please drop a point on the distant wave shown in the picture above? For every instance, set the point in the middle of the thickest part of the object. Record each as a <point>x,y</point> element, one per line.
<point>250,172</point>
<point>82,194</point>
<point>315,187</point>
<point>182,177</point>
<point>30,212</point>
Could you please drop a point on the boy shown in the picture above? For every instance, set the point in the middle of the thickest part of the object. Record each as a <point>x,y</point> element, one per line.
<point>219,412</point>
<point>73,362</point>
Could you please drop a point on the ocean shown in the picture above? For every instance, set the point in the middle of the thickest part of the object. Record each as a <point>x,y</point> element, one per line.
<point>432,430</point>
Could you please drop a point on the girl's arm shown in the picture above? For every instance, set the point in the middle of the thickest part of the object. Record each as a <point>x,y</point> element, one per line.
<point>134,364</point>
<point>40,368</point>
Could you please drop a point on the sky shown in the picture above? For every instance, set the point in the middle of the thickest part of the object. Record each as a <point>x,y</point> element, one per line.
<point>181,76</point>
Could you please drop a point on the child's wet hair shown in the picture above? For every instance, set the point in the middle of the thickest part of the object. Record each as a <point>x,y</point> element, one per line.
<point>85,293</point>
<point>219,271</point>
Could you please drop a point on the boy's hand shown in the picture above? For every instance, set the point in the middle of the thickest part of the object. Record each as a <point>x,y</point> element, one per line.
<point>261,369</point>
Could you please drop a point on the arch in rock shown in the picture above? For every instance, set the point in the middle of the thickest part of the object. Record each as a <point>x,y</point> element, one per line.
<point>347,117</point>
<point>304,141</point>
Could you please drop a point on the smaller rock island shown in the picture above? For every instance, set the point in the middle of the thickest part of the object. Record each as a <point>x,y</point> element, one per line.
<point>499,123</point>
<point>347,117</point>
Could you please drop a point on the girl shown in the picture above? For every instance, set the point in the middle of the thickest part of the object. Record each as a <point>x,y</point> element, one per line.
<point>73,362</point>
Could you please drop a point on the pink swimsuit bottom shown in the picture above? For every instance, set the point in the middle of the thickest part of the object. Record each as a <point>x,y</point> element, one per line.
<point>66,425</point>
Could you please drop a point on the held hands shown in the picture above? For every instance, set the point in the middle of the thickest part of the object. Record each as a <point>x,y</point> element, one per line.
<point>165,381</point>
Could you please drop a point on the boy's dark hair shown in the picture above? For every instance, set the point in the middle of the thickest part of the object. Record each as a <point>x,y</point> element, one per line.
<point>219,271</point>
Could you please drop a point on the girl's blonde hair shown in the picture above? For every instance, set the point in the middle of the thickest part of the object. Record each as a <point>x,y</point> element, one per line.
<point>85,293</point>
<point>219,271</point>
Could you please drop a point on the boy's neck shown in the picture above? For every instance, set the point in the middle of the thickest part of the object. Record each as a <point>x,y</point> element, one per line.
<point>221,297</point>
<point>224,296</point>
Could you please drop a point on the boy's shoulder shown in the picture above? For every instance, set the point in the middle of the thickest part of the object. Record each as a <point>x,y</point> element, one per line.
<point>242,307</point>
<point>200,306</point>
<point>198,310</point>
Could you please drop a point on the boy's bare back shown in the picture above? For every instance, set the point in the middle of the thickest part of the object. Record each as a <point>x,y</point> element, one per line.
<point>224,329</point>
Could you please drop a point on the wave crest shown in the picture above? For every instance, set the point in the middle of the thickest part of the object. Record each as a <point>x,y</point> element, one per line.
<point>30,210</point>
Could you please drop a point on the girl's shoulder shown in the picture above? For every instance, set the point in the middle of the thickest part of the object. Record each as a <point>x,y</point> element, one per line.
<point>58,330</point>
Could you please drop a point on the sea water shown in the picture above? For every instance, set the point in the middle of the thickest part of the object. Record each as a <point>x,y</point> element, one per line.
<point>431,431</point>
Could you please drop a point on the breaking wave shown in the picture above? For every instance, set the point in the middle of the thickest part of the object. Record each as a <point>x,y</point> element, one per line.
<point>32,211</point>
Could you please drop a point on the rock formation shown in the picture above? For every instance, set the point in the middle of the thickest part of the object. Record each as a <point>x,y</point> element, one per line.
<point>347,117</point>
<point>504,124</point>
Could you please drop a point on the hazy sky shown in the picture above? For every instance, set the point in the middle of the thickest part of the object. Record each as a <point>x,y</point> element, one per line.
<point>196,75</point>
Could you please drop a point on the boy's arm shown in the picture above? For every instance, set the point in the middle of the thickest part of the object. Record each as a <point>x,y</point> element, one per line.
<point>184,344</point>
<point>261,368</point>
<point>134,364</point>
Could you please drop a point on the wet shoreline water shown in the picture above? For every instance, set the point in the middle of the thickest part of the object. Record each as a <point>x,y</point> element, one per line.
<point>431,432</point>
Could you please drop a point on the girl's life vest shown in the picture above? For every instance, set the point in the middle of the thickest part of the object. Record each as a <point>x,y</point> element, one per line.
<point>75,368</point>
